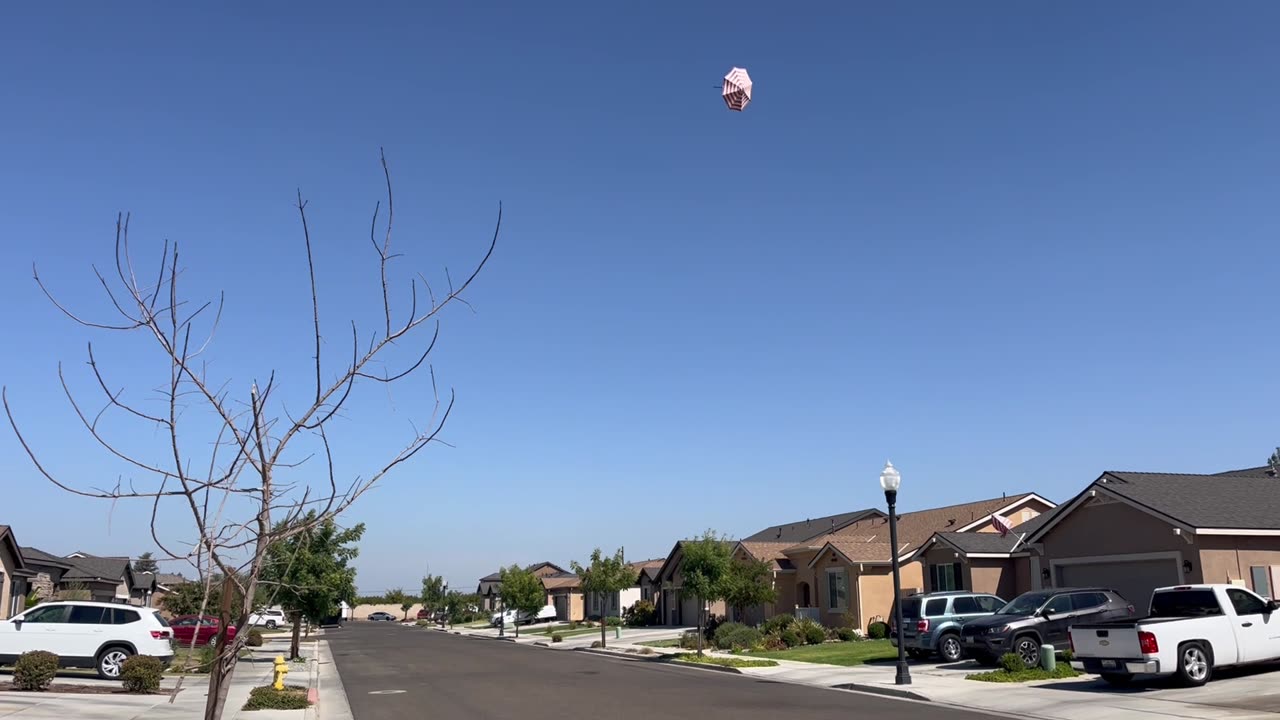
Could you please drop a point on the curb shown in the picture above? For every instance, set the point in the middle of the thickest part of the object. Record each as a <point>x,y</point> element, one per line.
<point>706,666</point>
<point>632,657</point>
<point>883,690</point>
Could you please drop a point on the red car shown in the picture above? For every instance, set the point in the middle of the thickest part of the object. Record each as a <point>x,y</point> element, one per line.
<point>204,628</point>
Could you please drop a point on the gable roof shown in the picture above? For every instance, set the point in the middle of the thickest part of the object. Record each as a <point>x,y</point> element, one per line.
<point>6,535</point>
<point>800,530</point>
<point>989,543</point>
<point>37,556</point>
<point>1205,504</point>
<point>770,552</point>
<point>558,582</point>
<point>100,568</point>
<point>170,579</point>
<point>859,551</point>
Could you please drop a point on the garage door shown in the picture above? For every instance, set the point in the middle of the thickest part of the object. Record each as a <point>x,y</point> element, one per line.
<point>689,611</point>
<point>1134,579</point>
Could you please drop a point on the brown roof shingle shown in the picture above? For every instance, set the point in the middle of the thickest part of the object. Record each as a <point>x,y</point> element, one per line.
<point>556,583</point>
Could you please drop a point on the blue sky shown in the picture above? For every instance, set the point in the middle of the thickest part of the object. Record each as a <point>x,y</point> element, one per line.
<point>1008,245</point>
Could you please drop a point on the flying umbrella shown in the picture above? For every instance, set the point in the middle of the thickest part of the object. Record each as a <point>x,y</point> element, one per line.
<point>737,89</point>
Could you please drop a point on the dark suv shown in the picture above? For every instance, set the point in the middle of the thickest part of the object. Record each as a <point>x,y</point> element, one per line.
<point>1040,617</point>
<point>932,622</point>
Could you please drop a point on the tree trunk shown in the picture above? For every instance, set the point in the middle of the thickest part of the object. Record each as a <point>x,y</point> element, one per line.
<point>604,616</point>
<point>701,611</point>
<point>295,639</point>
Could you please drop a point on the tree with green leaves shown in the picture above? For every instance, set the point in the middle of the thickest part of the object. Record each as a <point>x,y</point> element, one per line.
<point>146,564</point>
<point>459,606</point>
<point>309,573</point>
<point>605,577</point>
<point>433,593</point>
<point>522,591</point>
<point>748,583</point>
<point>704,565</point>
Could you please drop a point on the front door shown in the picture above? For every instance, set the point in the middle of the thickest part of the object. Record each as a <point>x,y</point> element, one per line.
<point>1257,631</point>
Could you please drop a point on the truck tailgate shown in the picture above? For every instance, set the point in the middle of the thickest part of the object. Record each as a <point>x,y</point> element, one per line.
<point>1112,641</point>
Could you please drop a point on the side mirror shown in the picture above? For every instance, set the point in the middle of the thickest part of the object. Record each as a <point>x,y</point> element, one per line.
<point>17,623</point>
<point>1272,606</point>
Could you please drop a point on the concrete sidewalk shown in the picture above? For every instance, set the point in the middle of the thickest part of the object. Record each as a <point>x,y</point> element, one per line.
<point>319,674</point>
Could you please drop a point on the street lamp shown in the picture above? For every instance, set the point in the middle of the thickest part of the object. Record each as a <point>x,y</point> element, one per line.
<point>890,479</point>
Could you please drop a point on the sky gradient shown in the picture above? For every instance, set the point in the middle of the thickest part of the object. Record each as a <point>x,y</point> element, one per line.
<point>1007,245</point>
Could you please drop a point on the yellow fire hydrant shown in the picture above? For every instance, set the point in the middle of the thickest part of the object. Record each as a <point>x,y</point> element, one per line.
<point>282,669</point>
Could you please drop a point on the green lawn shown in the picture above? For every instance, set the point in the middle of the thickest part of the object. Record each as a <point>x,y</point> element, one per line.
<point>669,642</point>
<point>841,653</point>
<point>563,630</point>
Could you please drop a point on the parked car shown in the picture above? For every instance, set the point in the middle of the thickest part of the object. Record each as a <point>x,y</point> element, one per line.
<point>931,622</point>
<point>270,619</point>
<point>1040,617</point>
<point>545,614</point>
<point>503,617</point>
<point>87,635</point>
<point>382,617</point>
<point>204,628</point>
<point>1190,631</point>
<point>425,614</point>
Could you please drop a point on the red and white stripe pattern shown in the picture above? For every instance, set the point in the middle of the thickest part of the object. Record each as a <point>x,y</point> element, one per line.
<point>1001,524</point>
<point>737,89</point>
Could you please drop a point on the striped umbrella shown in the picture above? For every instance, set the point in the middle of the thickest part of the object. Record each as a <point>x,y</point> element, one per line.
<point>737,89</point>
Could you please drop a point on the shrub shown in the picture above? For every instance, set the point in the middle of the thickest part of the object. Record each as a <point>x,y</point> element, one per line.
<point>845,634</point>
<point>266,697</point>
<point>689,640</point>
<point>773,642</point>
<point>790,637</point>
<point>557,637</point>
<point>612,621</point>
<point>420,623</point>
<point>811,632</point>
<point>877,631</point>
<point>141,674</point>
<point>255,637</point>
<point>1012,662</point>
<point>736,636</point>
<point>1067,655</point>
<point>777,623</point>
<point>34,670</point>
<point>588,624</point>
<point>573,625</point>
<point>642,614</point>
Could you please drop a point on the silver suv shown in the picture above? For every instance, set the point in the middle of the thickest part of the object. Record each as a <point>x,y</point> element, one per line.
<point>932,622</point>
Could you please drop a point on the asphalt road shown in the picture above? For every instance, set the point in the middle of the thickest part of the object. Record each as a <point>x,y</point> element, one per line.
<point>445,676</point>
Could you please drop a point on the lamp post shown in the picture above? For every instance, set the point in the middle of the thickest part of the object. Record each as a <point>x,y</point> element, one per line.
<point>890,479</point>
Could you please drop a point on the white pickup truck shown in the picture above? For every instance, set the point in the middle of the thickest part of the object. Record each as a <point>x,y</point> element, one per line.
<point>1190,630</point>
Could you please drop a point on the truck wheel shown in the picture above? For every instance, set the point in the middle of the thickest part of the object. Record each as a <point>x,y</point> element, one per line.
<point>949,648</point>
<point>271,624</point>
<point>1118,679</point>
<point>1195,665</point>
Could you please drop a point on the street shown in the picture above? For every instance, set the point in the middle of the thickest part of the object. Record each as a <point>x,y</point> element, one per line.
<point>441,675</point>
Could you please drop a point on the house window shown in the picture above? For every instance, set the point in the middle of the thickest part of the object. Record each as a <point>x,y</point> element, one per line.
<point>948,577</point>
<point>1261,581</point>
<point>837,590</point>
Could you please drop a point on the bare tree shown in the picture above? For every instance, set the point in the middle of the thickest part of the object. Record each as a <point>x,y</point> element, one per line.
<point>241,492</point>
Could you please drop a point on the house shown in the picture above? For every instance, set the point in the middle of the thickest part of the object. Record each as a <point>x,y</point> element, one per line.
<point>1136,531</point>
<point>838,569</point>
<point>165,583</point>
<point>490,587</point>
<point>14,575</point>
<point>648,579</point>
<point>615,605</point>
<point>673,607</point>
<point>564,592</point>
<point>104,579</point>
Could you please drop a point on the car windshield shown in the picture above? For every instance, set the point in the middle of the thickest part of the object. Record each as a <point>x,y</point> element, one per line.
<point>1025,605</point>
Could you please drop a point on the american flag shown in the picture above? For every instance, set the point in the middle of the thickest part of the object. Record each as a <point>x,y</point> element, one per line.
<point>1001,524</point>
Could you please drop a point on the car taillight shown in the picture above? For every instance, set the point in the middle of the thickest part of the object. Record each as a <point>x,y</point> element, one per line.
<point>1147,643</point>
<point>922,626</point>
<point>159,634</point>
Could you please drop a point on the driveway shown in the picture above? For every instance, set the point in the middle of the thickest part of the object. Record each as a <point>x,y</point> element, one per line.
<point>391,673</point>
<point>1254,689</point>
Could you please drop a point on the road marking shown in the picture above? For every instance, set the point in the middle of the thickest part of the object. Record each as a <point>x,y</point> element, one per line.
<point>385,692</point>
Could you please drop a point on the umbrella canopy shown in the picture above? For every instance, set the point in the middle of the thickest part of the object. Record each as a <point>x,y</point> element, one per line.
<point>737,89</point>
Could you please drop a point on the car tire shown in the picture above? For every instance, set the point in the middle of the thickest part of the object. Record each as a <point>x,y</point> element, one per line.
<point>1027,647</point>
<point>271,624</point>
<point>949,648</point>
<point>1118,679</point>
<point>917,654</point>
<point>110,662</point>
<point>1195,664</point>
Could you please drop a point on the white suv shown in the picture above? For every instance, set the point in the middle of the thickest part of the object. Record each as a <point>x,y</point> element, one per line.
<point>270,618</point>
<point>87,634</point>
